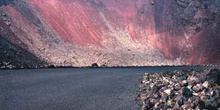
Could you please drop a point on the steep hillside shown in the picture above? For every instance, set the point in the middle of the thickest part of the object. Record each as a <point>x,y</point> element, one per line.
<point>13,56</point>
<point>114,32</point>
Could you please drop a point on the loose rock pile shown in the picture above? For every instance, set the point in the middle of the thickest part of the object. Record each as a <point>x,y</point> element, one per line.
<point>186,90</point>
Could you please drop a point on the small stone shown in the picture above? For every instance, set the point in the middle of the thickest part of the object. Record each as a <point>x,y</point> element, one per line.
<point>213,93</point>
<point>203,97</point>
<point>164,99</point>
<point>189,86</point>
<point>191,99</point>
<point>201,104</point>
<point>193,80</point>
<point>8,23</point>
<point>186,92</point>
<point>202,77</point>
<point>197,108</point>
<point>144,81</point>
<point>146,73</point>
<point>153,101</point>
<point>193,106</point>
<point>207,103</point>
<point>176,106</point>
<point>152,85</point>
<point>186,106</point>
<point>168,91</point>
<point>195,94</point>
<point>143,97</point>
<point>196,101</point>
<point>206,84</point>
<point>4,14</point>
<point>170,103</point>
<point>149,105</point>
<point>156,105</point>
<point>179,101</point>
<point>166,79</point>
<point>198,88</point>
<point>152,2</point>
<point>95,65</point>
<point>177,87</point>
<point>4,19</point>
<point>155,96</point>
<point>184,83</point>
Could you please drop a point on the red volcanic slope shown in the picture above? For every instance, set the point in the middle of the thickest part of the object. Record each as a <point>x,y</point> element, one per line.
<point>72,20</point>
<point>117,32</point>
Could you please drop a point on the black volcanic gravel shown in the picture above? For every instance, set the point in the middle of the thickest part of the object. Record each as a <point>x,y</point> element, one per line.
<point>181,90</point>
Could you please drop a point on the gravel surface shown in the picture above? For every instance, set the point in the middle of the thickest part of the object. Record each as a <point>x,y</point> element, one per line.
<point>185,90</point>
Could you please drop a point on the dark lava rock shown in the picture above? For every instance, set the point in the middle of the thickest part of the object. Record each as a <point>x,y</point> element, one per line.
<point>15,57</point>
<point>149,105</point>
<point>186,92</point>
<point>201,104</point>
<point>95,65</point>
<point>177,87</point>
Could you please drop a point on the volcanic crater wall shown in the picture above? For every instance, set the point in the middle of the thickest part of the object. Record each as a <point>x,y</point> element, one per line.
<point>113,32</point>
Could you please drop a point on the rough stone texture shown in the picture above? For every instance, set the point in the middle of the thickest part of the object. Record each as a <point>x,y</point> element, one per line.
<point>13,56</point>
<point>163,90</point>
<point>115,32</point>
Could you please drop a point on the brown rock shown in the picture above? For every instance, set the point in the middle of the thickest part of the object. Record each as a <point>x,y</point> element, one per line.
<point>198,88</point>
<point>179,101</point>
<point>143,97</point>
<point>177,87</point>
<point>186,106</point>
<point>184,83</point>
<point>153,101</point>
<point>193,80</point>
<point>170,103</point>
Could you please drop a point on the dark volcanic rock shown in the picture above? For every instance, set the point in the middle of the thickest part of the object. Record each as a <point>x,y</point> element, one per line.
<point>186,92</point>
<point>12,56</point>
<point>95,65</point>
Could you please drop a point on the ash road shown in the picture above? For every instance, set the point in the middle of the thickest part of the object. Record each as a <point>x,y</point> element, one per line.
<point>73,88</point>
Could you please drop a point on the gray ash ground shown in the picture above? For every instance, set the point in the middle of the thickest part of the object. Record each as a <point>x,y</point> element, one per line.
<point>181,90</point>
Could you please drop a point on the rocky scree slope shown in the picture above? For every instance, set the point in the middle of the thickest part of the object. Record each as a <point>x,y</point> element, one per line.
<point>181,90</point>
<point>112,32</point>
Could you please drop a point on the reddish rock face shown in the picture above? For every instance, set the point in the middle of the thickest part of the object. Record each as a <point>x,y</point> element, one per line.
<point>74,21</point>
<point>116,32</point>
